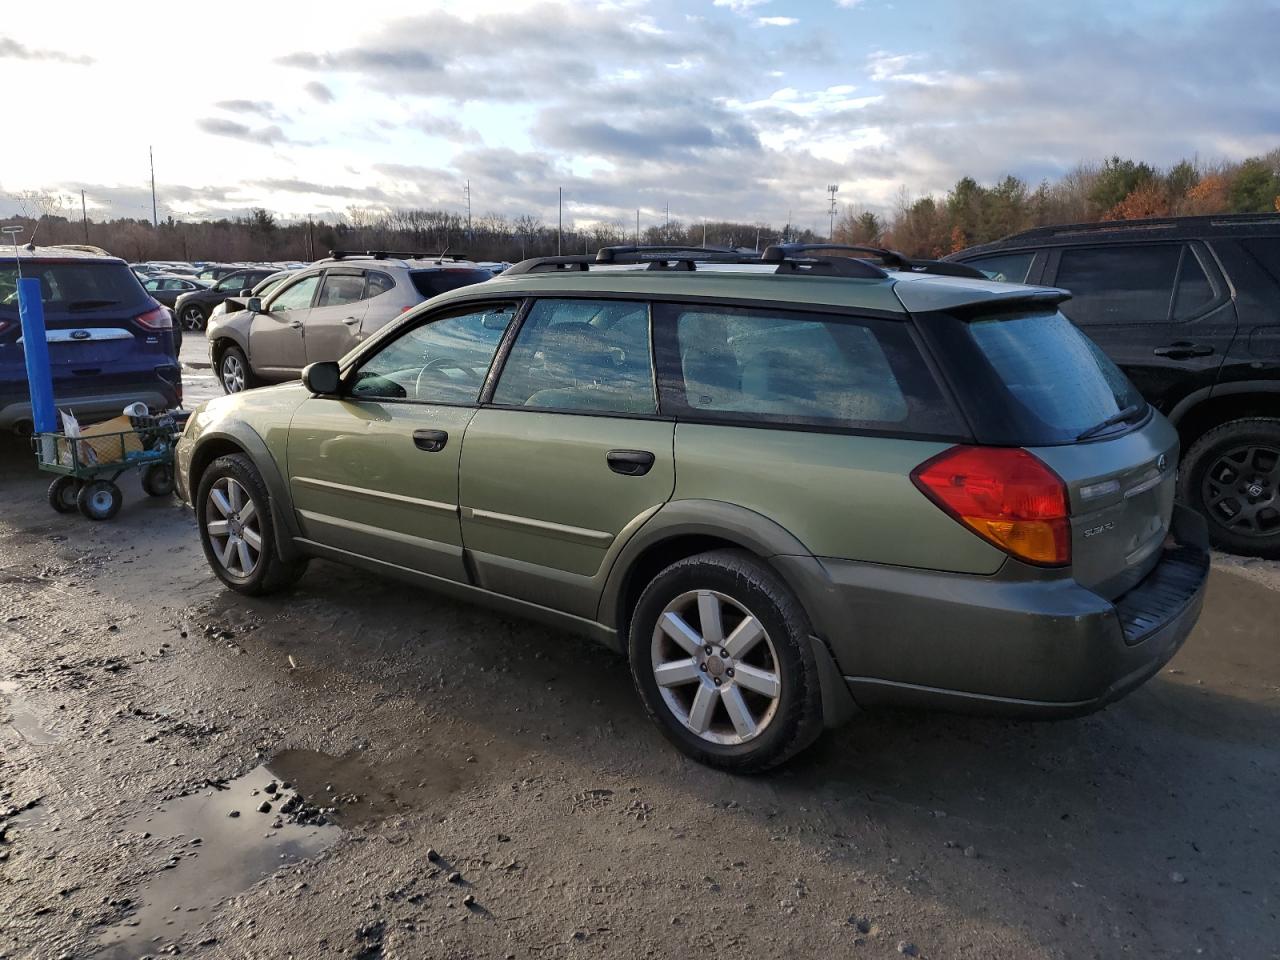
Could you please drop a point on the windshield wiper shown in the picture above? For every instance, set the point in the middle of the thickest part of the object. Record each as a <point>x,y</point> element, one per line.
<point>90,304</point>
<point>1128,413</point>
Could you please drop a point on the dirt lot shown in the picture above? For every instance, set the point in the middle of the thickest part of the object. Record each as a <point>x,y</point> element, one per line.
<point>472,786</point>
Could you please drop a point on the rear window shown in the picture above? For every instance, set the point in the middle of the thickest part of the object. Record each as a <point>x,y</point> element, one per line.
<point>1034,378</point>
<point>72,286</point>
<point>430,283</point>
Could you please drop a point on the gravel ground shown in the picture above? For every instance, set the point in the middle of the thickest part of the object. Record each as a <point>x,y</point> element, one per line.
<point>464,785</point>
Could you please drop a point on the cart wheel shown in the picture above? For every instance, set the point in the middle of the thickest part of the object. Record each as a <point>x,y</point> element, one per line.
<point>157,479</point>
<point>99,500</point>
<point>62,494</point>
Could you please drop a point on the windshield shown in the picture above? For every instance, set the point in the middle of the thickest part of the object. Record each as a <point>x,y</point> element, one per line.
<point>71,285</point>
<point>1034,378</point>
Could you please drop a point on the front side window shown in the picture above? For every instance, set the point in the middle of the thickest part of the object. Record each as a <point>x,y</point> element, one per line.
<point>1005,267</point>
<point>298,296</point>
<point>444,360</point>
<point>232,281</point>
<point>760,365</point>
<point>585,355</point>
<point>1119,284</point>
<point>341,288</point>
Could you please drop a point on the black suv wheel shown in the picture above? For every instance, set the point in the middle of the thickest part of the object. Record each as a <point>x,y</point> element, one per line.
<point>1232,476</point>
<point>721,657</point>
<point>192,317</point>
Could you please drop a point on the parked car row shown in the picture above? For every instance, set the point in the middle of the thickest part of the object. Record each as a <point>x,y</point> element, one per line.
<point>783,485</point>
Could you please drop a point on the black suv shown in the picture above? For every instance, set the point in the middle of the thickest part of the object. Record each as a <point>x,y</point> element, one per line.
<point>192,309</point>
<point>1189,308</point>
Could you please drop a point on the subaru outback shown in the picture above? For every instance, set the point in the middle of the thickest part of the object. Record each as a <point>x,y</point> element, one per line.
<point>785,486</point>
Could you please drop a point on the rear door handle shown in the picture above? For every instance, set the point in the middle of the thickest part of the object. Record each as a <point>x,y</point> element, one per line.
<point>1183,350</point>
<point>431,441</point>
<point>630,463</point>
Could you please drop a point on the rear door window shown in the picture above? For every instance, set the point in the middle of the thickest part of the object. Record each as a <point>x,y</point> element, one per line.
<point>757,365</point>
<point>379,283</point>
<point>1119,284</point>
<point>587,355</point>
<point>1194,291</point>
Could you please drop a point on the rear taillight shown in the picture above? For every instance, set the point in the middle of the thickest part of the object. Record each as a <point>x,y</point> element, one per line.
<point>157,319</point>
<point>5,325</point>
<point>1004,495</point>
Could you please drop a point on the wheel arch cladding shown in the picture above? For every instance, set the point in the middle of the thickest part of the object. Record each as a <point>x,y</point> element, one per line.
<point>685,528</point>
<point>238,438</point>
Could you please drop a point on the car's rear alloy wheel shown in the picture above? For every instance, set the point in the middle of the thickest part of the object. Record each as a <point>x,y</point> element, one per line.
<point>716,667</point>
<point>192,318</point>
<point>233,510</point>
<point>234,527</point>
<point>722,657</point>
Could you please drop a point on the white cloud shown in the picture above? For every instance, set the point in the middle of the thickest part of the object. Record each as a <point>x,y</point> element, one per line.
<point>776,21</point>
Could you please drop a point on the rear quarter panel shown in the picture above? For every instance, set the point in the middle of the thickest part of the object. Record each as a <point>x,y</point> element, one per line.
<point>844,496</point>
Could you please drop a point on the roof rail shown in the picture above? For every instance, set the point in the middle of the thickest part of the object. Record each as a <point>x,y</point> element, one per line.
<point>686,258</point>
<point>399,254</point>
<point>890,258</point>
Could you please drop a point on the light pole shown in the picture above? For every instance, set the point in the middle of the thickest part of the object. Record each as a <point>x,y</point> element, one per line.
<point>832,189</point>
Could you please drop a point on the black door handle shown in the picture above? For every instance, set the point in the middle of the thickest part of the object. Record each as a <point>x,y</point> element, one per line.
<point>1183,350</point>
<point>430,440</point>
<point>630,463</point>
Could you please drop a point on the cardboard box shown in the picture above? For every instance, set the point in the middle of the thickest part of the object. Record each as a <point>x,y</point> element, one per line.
<point>97,445</point>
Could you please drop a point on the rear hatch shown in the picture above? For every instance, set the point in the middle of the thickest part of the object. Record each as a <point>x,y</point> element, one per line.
<point>431,283</point>
<point>104,331</point>
<point>1027,377</point>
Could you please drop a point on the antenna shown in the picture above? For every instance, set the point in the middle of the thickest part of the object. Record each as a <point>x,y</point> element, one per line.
<point>832,189</point>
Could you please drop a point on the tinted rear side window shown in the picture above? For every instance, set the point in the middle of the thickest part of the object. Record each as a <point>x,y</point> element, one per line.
<point>1033,378</point>
<point>758,365</point>
<point>1266,252</point>
<point>429,283</point>
<point>72,286</point>
<point>1119,284</point>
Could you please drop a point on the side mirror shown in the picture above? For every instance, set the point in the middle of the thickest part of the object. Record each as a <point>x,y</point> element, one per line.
<point>246,292</point>
<point>254,305</point>
<point>322,377</point>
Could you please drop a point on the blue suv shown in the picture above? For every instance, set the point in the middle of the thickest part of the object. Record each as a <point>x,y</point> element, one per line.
<point>110,343</point>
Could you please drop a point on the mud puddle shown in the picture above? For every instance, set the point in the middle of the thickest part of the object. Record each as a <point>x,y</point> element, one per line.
<point>22,718</point>
<point>220,842</point>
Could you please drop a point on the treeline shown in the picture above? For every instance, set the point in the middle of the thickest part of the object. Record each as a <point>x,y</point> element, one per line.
<point>970,213</point>
<point>1116,189</point>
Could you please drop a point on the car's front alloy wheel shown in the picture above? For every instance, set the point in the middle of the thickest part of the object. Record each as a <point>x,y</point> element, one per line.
<point>234,527</point>
<point>192,318</point>
<point>231,372</point>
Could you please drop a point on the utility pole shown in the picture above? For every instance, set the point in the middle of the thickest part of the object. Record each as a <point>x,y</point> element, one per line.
<point>666,222</point>
<point>84,217</point>
<point>155,218</point>
<point>637,226</point>
<point>311,239</point>
<point>560,224</point>
<point>704,233</point>
<point>467,193</point>
<point>832,189</point>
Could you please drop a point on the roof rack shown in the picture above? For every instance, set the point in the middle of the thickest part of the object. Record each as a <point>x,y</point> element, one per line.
<point>398,254</point>
<point>782,252</point>
<point>685,258</point>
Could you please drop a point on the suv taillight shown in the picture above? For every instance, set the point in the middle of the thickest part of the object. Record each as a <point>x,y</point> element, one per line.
<point>1004,495</point>
<point>157,319</point>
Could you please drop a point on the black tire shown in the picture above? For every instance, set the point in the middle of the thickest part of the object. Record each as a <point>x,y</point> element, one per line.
<point>99,499</point>
<point>157,479</point>
<point>269,573</point>
<point>796,719</point>
<point>62,494</point>
<point>1231,475</point>
<point>193,317</point>
<point>229,360</point>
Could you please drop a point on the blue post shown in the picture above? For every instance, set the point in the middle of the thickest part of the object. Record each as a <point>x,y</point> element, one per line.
<point>36,348</point>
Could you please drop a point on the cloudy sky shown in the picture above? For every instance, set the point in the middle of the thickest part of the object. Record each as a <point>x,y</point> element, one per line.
<point>734,109</point>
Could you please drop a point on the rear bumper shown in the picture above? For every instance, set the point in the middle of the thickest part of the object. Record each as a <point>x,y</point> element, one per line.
<point>1021,643</point>
<point>90,408</point>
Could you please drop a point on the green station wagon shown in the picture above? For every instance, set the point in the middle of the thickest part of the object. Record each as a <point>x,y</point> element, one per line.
<point>785,486</point>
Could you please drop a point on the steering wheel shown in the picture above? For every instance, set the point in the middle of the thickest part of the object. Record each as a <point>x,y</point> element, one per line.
<point>445,363</point>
